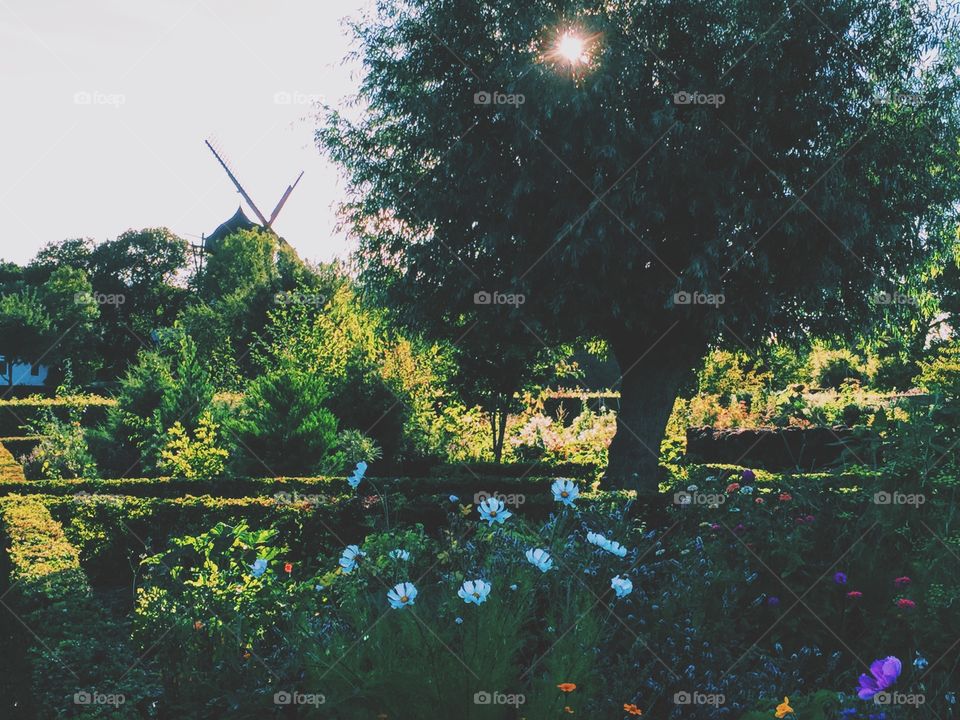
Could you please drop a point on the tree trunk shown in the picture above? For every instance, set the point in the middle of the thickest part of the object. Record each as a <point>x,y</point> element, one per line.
<point>498,424</point>
<point>649,385</point>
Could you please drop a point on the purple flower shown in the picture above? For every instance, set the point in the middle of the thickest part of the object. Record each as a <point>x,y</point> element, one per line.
<point>884,674</point>
<point>748,476</point>
<point>773,601</point>
<point>840,578</point>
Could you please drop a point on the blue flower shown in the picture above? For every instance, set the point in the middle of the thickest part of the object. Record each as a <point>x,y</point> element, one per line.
<point>513,587</point>
<point>459,621</point>
<point>258,568</point>
<point>540,558</point>
<point>399,554</point>
<point>920,662</point>
<point>454,498</point>
<point>493,511</point>
<point>565,491</point>
<point>474,591</point>
<point>596,539</point>
<point>401,595</point>
<point>621,586</point>
<point>840,578</point>
<point>357,476</point>
<point>746,490</point>
<point>350,557</point>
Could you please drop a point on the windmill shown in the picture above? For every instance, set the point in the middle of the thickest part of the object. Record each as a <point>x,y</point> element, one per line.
<point>240,221</point>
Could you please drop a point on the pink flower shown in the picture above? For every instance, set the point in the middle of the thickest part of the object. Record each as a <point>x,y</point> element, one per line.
<point>902,581</point>
<point>733,487</point>
<point>759,501</point>
<point>906,604</point>
<point>785,497</point>
<point>854,594</point>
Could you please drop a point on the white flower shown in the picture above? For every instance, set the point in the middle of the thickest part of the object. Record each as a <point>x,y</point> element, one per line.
<point>565,491</point>
<point>474,591</point>
<point>399,554</point>
<point>402,595</point>
<point>540,559</point>
<point>350,557</point>
<point>622,586</point>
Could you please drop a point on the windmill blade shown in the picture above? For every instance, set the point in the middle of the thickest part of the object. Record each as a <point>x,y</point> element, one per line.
<point>237,184</point>
<point>283,200</point>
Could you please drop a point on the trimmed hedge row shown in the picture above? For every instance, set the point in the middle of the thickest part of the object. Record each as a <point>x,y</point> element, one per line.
<point>462,486</point>
<point>78,649</point>
<point>16,413</point>
<point>10,470</point>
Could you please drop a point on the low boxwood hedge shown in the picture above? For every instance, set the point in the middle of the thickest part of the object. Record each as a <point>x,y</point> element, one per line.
<point>17,413</point>
<point>79,655</point>
<point>10,470</point>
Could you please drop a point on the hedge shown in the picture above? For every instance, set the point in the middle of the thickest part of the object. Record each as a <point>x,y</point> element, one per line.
<point>463,486</point>
<point>10,470</point>
<point>16,414</point>
<point>20,446</point>
<point>78,648</point>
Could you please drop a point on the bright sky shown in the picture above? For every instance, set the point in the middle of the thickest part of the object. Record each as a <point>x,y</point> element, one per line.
<point>106,104</point>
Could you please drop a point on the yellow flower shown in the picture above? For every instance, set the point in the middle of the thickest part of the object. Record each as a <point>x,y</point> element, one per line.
<point>783,709</point>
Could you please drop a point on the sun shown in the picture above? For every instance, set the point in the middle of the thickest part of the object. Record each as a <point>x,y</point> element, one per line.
<point>572,48</point>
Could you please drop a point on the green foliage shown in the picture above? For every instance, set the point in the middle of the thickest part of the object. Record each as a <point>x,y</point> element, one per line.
<point>62,451</point>
<point>521,202</point>
<point>77,648</point>
<point>284,426</point>
<point>193,458</point>
<point>379,383</point>
<point>830,368</point>
<point>166,386</point>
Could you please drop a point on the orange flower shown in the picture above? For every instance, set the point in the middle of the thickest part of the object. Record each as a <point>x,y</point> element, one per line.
<point>567,687</point>
<point>288,567</point>
<point>632,709</point>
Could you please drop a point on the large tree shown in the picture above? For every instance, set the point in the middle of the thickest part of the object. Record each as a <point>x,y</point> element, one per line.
<point>785,158</point>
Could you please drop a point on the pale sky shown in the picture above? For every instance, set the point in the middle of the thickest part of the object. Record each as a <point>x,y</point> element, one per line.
<point>105,104</point>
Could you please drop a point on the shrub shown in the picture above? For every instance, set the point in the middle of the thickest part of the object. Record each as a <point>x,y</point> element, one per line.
<point>164,387</point>
<point>62,451</point>
<point>830,368</point>
<point>283,426</point>
<point>196,458</point>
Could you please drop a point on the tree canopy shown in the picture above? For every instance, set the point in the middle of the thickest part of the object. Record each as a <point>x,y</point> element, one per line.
<point>695,170</point>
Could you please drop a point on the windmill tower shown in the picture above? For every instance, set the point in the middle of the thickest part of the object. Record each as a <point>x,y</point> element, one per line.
<point>240,221</point>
